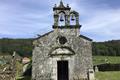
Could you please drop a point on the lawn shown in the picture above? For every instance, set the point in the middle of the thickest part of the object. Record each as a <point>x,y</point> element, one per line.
<point>106,59</point>
<point>113,75</point>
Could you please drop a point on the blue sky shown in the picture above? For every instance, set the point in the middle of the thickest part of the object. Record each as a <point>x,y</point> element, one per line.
<point>100,19</point>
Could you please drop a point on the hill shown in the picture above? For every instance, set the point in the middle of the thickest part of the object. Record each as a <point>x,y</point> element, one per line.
<point>107,48</point>
<point>21,46</point>
<point>24,47</point>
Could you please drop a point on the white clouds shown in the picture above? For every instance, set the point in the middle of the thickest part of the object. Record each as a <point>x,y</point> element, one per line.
<point>18,19</point>
<point>23,17</point>
<point>100,21</point>
<point>104,23</point>
<point>103,18</point>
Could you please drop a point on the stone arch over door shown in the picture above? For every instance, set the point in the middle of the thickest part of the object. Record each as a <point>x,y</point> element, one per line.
<point>61,51</point>
<point>62,54</point>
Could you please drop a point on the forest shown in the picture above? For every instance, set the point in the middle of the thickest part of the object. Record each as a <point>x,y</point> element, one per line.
<point>24,47</point>
<point>21,46</point>
<point>107,48</point>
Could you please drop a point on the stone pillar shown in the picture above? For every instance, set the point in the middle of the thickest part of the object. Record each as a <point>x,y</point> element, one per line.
<point>77,20</point>
<point>67,20</point>
<point>91,74</point>
<point>56,20</point>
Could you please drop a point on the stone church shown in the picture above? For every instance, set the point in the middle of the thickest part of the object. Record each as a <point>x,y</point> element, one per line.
<point>62,54</point>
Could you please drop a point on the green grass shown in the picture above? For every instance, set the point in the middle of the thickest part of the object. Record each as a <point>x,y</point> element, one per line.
<point>24,78</point>
<point>113,75</point>
<point>106,59</point>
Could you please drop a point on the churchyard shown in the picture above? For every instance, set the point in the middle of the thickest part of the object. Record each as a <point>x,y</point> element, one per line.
<point>107,75</point>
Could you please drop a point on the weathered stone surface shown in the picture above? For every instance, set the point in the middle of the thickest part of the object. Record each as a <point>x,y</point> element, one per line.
<point>48,51</point>
<point>62,44</point>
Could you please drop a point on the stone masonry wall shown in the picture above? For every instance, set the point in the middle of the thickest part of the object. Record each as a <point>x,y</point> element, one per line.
<point>44,66</point>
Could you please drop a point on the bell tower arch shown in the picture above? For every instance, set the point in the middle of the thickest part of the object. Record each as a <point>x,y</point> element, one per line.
<point>64,16</point>
<point>66,21</point>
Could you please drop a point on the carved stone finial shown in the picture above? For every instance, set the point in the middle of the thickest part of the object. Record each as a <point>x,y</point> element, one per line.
<point>55,5</point>
<point>67,5</point>
<point>61,4</point>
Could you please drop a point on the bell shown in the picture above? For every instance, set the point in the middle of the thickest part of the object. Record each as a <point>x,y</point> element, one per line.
<point>72,18</point>
<point>61,18</point>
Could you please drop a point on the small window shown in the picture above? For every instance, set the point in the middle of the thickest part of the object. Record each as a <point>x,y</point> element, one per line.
<point>62,40</point>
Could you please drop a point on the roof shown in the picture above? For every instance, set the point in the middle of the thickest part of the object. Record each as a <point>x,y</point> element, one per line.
<point>25,60</point>
<point>82,36</point>
<point>52,31</point>
<point>44,35</point>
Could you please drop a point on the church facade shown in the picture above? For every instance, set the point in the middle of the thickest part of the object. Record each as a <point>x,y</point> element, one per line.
<point>62,54</point>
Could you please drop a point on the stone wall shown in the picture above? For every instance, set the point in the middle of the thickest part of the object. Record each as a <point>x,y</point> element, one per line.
<point>7,75</point>
<point>45,66</point>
